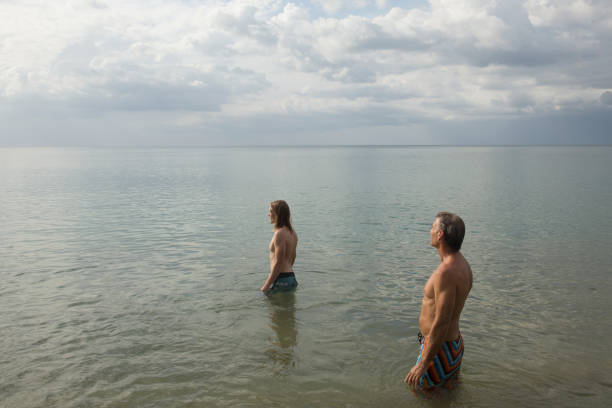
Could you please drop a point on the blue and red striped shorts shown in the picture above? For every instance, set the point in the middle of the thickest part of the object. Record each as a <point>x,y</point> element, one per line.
<point>443,369</point>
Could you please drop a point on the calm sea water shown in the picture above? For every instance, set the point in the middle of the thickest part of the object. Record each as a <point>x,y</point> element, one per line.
<point>130,278</point>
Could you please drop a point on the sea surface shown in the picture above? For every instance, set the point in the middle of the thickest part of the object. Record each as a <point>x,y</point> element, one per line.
<point>130,277</point>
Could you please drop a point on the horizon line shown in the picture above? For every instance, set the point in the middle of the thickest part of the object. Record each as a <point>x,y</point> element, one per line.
<point>288,146</point>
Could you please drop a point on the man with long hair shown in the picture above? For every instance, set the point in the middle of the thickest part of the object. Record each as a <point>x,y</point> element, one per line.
<point>282,249</point>
<point>445,294</point>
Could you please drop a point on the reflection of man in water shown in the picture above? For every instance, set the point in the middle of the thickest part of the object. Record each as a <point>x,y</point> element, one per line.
<point>282,321</point>
<point>282,249</point>
<point>445,294</point>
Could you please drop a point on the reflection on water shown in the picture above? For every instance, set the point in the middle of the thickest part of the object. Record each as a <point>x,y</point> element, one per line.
<point>130,277</point>
<point>282,321</point>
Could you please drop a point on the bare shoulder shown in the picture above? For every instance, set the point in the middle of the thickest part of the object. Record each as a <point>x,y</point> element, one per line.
<point>459,271</point>
<point>448,273</point>
<point>282,234</point>
<point>443,271</point>
<point>440,277</point>
<point>279,234</point>
<point>462,265</point>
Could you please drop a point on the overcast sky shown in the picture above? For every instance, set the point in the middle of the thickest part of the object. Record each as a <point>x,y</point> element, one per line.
<point>253,72</point>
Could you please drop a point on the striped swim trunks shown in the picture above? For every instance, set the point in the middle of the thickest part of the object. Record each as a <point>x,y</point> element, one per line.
<point>443,369</point>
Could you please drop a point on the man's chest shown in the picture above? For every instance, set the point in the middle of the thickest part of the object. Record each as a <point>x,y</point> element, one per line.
<point>428,291</point>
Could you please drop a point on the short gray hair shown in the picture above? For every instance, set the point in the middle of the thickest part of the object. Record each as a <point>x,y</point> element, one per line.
<point>453,227</point>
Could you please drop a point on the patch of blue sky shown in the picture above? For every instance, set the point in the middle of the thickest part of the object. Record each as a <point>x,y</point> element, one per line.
<point>364,8</point>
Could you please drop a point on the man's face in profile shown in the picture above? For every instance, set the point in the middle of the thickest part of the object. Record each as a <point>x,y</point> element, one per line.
<point>435,233</point>
<point>272,216</point>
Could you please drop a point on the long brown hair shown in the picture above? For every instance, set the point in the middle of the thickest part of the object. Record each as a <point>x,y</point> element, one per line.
<point>283,215</point>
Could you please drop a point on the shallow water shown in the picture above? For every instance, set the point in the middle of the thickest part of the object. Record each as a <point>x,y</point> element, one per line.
<point>130,277</point>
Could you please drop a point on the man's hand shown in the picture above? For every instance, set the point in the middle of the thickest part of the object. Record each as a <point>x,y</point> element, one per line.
<point>265,288</point>
<point>415,374</point>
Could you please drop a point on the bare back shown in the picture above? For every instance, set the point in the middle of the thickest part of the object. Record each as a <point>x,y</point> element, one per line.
<point>283,249</point>
<point>455,274</point>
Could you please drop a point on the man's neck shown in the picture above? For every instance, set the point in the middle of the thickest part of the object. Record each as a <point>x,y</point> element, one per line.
<point>445,252</point>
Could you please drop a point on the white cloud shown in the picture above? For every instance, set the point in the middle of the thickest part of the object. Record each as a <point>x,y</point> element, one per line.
<point>564,12</point>
<point>216,61</point>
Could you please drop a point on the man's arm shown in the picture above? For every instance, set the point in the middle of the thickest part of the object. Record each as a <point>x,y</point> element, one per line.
<point>444,292</point>
<point>279,255</point>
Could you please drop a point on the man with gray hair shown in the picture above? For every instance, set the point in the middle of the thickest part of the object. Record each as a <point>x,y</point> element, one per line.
<point>441,344</point>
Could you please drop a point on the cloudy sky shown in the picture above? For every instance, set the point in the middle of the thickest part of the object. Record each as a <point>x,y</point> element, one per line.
<point>261,72</point>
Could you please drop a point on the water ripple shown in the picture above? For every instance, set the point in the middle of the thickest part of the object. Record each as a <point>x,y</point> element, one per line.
<point>130,277</point>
